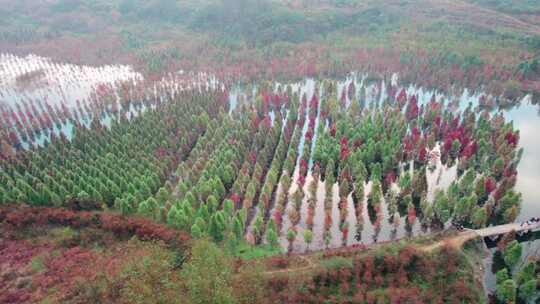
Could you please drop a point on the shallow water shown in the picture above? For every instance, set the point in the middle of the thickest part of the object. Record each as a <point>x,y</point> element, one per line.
<point>526,119</point>
<point>367,229</point>
<point>56,82</point>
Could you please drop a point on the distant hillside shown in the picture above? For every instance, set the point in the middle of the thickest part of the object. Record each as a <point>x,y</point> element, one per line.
<point>245,37</point>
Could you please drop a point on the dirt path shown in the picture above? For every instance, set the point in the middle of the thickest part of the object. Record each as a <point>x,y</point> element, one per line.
<point>455,241</point>
<point>310,265</point>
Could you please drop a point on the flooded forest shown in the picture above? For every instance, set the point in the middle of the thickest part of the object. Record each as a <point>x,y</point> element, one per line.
<point>269,151</point>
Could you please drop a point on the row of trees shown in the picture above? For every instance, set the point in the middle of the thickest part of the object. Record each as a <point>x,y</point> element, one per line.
<point>264,225</point>
<point>294,213</point>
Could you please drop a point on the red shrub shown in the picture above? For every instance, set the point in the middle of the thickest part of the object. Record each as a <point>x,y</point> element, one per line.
<point>280,262</point>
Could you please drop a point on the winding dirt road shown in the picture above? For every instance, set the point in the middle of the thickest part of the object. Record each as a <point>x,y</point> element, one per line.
<point>456,241</point>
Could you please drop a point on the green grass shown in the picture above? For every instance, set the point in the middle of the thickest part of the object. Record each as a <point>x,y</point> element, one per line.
<point>63,236</point>
<point>337,262</point>
<point>248,252</point>
<point>37,264</point>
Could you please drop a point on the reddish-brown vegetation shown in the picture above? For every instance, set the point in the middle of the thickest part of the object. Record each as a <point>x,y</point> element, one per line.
<point>19,216</point>
<point>386,277</point>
